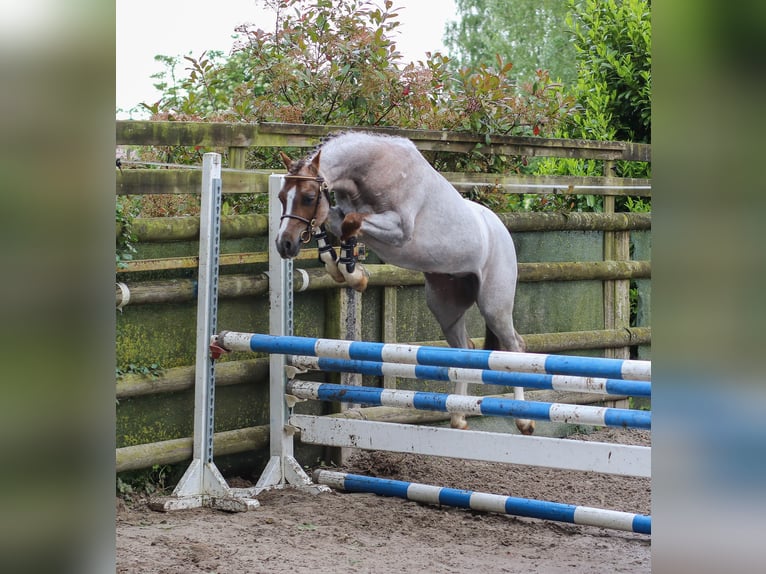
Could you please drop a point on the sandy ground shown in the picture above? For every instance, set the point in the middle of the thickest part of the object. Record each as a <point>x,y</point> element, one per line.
<point>295,532</point>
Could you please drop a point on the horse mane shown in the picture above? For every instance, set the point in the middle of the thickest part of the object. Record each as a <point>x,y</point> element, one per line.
<point>350,134</point>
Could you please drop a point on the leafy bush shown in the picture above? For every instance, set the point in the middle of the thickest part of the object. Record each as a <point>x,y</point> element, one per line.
<point>613,43</point>
<point>126,211</point>
<point>335,63</point>
<point>612,39</point>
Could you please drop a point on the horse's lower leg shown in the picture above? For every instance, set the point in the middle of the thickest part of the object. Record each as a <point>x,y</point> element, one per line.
<point>328,256</point>
<point>512,342</point>
<point>449,298</point>
<point>457,420</point>
<point>353,273</point>
<point>525,426</point>
<point>495,300</point>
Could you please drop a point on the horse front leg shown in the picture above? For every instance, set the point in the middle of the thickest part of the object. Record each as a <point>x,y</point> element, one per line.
<point>383,227</point>
<point>328,256</point>
<point>346,268</point>
<point>354,274</point>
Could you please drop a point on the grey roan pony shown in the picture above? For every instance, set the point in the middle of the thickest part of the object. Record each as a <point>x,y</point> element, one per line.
<point>387,195</point>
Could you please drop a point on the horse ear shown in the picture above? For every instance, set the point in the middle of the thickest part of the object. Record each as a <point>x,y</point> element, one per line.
<point>285,159</point>
<point>315,161</point>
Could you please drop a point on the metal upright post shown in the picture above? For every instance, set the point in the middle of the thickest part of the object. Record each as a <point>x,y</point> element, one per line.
<point>202,484</point>
<point>282,468</point>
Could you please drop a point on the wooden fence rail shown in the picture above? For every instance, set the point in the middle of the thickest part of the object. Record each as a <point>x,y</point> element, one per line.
<point>226,135</point>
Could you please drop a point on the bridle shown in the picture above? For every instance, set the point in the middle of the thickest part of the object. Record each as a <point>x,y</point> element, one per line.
<point>310,223</point>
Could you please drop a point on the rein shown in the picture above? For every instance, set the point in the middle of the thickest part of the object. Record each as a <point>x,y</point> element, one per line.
<point>310,223</point>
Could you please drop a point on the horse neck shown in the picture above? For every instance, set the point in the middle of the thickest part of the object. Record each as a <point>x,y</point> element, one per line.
<point>374,165</point>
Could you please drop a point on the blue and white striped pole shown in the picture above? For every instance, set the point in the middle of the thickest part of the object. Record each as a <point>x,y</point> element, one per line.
<point>455,374</point>
<point>437,356</point>
<point>490,406</point>
<point>484,502</point>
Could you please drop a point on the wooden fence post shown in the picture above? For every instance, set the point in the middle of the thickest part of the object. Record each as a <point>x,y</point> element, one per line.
<point>616,292</point>
<point>238,157</point>
<point>344,321</point>
<point>389,327</point>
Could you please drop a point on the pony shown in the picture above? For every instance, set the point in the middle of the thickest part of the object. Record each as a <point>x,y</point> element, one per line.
<point>388,196</point>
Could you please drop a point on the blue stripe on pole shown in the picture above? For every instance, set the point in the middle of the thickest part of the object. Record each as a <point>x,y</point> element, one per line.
<point>381,486</point>
<point>496,406</point>
<point>339,365</point>
<point>348,394</point>
<point>430,401</point>
<point>595,367</point>
<point>628,418</point>
<point>630,388</point>
<point>642,524</point>
<point>431,373</point>
<point>537,381</point>
<point>366,351</point>
<point>447,357</point>
<point>540,509</point>
<point>283,345</point>
<point>455,497</point>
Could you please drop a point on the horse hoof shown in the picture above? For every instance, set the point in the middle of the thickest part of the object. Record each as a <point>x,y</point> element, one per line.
<point>356,280</point>
<point>525,427</point>
<point>460,424</point>
<point>362,285</point>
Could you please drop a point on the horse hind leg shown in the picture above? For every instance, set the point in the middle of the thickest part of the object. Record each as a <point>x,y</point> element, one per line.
<point>448,298</point>
<point>493,343</point>
<point>496,306</point>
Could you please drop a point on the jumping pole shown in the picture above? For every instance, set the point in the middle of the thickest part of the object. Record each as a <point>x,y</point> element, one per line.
<point>485,502</point>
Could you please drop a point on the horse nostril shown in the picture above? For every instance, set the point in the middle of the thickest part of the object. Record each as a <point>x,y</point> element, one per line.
<point>285,248</point>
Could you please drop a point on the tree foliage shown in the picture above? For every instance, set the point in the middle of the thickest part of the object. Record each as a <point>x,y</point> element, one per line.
<point>335,63</point>
<point>612,39</point>
<point>530,33</point>
<point>614,65</point>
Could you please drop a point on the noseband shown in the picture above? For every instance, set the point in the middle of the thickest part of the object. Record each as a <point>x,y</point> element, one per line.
<point>310,223</point>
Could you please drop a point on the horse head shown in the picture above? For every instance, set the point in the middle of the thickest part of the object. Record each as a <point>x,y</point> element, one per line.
<point>305,204</point>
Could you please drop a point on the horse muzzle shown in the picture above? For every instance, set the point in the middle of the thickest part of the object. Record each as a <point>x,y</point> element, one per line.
<point>287,247</point>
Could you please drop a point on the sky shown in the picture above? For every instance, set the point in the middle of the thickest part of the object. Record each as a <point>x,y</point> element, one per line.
<point>146,28</point>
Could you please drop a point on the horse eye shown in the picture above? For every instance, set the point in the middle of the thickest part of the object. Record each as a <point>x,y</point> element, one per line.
<point>308,199</point>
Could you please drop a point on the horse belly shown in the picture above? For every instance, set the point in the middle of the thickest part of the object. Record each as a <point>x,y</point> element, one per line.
<point>428,256</point>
